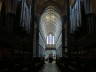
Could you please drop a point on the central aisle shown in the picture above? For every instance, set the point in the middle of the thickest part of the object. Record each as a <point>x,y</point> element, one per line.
<point>50,67</point>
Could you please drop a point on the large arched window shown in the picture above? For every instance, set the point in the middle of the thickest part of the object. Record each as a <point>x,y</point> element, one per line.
<point>25,15</point>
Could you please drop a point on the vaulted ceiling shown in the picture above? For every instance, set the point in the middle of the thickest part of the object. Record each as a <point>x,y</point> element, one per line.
<point>42,4</point>
<point>51,22</point>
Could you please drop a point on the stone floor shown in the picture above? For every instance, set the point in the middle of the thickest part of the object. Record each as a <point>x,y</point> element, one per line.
<point>50,67</point>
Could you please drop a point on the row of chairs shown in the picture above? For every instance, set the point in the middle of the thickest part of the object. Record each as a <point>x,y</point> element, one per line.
<point>76,64</point>
<point>21,64</point>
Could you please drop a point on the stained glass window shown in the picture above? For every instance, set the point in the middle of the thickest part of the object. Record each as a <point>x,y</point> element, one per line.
<point>50,39</point>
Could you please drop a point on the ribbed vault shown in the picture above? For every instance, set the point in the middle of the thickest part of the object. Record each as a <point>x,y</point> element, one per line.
<point>50,22</point>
